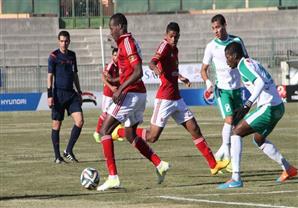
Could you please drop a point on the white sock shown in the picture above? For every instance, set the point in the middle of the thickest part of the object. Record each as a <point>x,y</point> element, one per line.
<point>272,152</point>
<point>113,176</point>
<point>224,150</point>
<point>236,150</point>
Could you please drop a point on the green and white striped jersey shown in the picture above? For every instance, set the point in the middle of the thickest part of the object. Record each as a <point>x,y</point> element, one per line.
<point>214,55</point>
<point>250,70</point>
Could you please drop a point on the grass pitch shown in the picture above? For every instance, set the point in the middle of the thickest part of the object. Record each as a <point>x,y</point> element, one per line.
<point>29,178</point>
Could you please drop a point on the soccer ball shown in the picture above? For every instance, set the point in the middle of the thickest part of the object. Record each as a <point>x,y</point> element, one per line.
<point>89,178</point>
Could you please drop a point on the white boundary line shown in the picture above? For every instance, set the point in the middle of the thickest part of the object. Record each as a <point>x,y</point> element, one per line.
<point>248,193</point>
<point>222,202</point>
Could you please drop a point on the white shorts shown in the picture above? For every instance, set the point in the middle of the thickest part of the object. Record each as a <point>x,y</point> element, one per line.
<point>130,110</point>
<point>163,109</point>
<point>106,102</point>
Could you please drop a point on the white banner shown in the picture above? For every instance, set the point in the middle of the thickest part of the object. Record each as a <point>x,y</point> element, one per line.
<point>190,71</point>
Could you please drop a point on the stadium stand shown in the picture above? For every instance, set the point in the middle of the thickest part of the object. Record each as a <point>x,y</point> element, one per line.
<point>268,35</point>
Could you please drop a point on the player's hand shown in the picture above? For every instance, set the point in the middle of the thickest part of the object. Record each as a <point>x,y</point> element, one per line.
<point>185,81</point>
<point>157,71</point>
<point>209,86</point>
<point>241,112</point>
<point>117,96</point>
<point>114,88</point>
<point>50,102</point>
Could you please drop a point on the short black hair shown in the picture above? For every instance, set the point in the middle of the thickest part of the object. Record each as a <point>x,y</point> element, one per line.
<point>119,19</point>
<point>115,50</point>
<point>235,48</point>
<point>219,18</point>
<point>64,33</point>
<point>173,26</point>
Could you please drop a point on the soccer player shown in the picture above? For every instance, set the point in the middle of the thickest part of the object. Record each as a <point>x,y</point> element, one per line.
<point>168,102</point>
<point>110,78</point>
<point>128,105</point>
<point>62,75</point>
<point>227,89</point>
<point>259,122</point>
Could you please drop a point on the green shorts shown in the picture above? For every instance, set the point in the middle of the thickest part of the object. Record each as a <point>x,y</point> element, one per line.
<point>228,101</point>
<point>264,118</point>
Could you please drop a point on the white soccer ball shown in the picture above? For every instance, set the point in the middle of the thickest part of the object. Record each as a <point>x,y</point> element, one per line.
<point>89,178</point>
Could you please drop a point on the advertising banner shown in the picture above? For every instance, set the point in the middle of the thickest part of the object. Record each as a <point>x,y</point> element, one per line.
<point>190,71</point>
<point>19,101</point>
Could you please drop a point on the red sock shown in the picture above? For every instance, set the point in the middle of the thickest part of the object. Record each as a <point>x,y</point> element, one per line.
<point>202,145</point>
<point>146,151</point>
<point>101,118</point>
<point>108,152</point>
<point>140,133</point>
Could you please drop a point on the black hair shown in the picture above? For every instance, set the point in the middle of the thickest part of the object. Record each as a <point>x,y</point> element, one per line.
<point>219,18</point>
<point>119,19</point>
<point>64,33</point>
<point>173,26</point>
<point>115,50</point>
<point>235,49</point>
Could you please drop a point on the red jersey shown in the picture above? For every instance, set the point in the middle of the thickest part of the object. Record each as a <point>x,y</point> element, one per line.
<point>129,54</point>
<point>113,71</point>
<point>166,58</point>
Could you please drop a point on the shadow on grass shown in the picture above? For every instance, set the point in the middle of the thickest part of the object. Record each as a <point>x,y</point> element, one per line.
<point>53,196</point>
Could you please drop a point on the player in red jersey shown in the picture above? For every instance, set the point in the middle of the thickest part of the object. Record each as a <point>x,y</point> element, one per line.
<point>110,78</point>
<point>168,102</point>
<point>129,104</point>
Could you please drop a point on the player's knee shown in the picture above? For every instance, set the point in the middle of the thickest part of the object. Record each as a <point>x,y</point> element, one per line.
<point>152,139</point>
<point>258,141</point>
<point>56,125</point>
<point>80,123</point>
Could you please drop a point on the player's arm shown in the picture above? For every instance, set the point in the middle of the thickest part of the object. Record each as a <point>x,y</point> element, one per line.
<point>154,68</point>
<point>50,90</point>
<point>106,80</point>
<point>77,83</point>
<point>204,75</point>
<point>258,88</point>
<point>259,85</point>
<point>76,77</point>
<point>204,68</point>
<point>50,78</point>
<point>184,80</point>
<point>134,77</point>
<point>159,55</point>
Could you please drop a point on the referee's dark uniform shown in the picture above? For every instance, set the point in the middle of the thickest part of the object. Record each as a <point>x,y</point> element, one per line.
<point>62,76</point>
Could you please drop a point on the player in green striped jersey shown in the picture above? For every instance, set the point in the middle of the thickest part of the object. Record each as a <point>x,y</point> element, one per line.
<point>261,121</point>
<point>228,84</point>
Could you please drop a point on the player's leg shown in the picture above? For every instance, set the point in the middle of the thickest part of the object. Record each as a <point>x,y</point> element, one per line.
<point>106,102</point>
<point>264,125</point>
<point>56,125</point>
<point>108,151</point>
<point>199,141</point>
<point>74,136</point>
<point>75,110</point>
<point>241,130</point>
<point>162,110</point>
<point>57,118</point>
<point>225,104</point>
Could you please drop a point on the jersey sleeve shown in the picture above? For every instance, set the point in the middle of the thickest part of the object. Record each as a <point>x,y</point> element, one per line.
<point>133,51</point>
<point>51,63</point>
<point>207,55</point>
<point>247,71</point>
<point>161,52</point>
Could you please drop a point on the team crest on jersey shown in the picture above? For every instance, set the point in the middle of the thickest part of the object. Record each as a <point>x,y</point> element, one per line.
<point>132,58</point>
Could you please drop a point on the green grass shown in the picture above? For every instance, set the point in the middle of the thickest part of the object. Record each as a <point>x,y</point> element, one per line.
<point>29,178</point>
